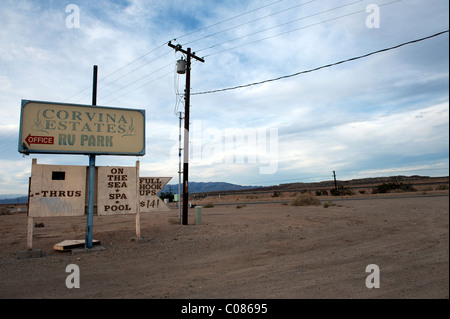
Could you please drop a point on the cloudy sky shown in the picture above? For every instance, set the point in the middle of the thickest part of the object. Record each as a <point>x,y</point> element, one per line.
<point>386,114</point>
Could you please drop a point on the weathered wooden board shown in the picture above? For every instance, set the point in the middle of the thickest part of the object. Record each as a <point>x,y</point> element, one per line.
<point>57,190</point>
<point>117,190</point>
<point>72,244</point>
<point>149,187</point>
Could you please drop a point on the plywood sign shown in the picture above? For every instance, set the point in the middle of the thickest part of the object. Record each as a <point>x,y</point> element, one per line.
<point>149,187</point>
<point>117,190</point>
<point>57,190</point>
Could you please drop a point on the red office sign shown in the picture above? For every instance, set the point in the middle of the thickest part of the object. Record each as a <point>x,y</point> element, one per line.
<point>39,139</point>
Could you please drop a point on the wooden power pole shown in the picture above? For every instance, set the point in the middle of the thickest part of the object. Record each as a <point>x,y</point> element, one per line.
<point>189,55</point>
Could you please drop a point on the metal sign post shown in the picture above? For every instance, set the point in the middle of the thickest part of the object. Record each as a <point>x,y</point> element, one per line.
<point>91,187</point>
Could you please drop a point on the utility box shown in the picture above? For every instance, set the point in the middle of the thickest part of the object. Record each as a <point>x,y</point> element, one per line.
<point>57,190</point>
<point>198,215</point>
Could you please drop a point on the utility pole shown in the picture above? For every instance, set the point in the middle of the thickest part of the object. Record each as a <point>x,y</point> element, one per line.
<point>189,55</point>
<point>335,184</point>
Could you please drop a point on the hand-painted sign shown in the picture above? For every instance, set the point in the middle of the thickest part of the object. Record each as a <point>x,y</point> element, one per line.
<point>117,190</point>
<point>47,127</point>
<point>57,190</point>
<point>149,188</point>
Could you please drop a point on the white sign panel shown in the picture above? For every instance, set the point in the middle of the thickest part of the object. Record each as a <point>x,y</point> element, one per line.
<point>117,190</point>
<point>57,191</point>
<point>149,187</point>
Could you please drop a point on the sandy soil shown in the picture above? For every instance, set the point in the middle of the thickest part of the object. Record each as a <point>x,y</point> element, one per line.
<point>257,251</point>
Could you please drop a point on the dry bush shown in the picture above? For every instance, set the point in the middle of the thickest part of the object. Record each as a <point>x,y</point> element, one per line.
<point>304,200</point>
<point>328,204</point>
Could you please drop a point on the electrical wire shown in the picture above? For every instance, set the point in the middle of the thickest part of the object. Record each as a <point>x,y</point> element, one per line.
<point>286,23</point>
<point>324,66</point>
<point>162,68</point>
<point>119,69</point>
<point>145,84</point>
<point>242,24</point>
<point>160,46</point>
<point>151,51</point>
<point>229,19</point>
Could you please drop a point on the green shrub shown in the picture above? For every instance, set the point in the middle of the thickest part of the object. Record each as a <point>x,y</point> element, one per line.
<point>341,191</point>
<point>276,194</point>
<point>208,205</point>
<point>388,187</point>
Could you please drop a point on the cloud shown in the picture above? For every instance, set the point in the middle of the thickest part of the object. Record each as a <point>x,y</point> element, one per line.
<point>383,113</point>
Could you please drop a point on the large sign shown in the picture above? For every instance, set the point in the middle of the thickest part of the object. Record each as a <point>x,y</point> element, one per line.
<point>117,190</point>
<point>149,187</point>
<point>57,190</point>
<point>47,127</point>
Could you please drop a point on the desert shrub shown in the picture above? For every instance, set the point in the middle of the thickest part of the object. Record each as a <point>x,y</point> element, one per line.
<point>276,194</point>
<point>442,187</point>
<point>389,187</point>
<point>304,200</point>
<point>341,191</point>
<point>208,205</point>
<point>362,191</point>
<point>328,204</point>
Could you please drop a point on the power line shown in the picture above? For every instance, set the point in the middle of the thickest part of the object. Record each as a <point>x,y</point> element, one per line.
<point>283,24</point>
<point>128,92</point>
<point>114,72</point>
<point>324,66</point>
<point>160,46</point>
<point>248,22</point>
<point>151,51</point>
<point>162,68</point>
<point>229,19</point>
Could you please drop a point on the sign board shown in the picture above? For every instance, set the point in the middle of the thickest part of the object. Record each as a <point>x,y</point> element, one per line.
<point>57,190</point>
<point>47,127</point>
<point>149,187</point>
<point>117,190</point>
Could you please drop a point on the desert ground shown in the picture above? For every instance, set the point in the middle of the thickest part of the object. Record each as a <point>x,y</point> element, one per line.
<point>240,251</point>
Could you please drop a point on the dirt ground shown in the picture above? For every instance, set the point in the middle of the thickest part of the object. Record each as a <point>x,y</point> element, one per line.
<point>254,251</point>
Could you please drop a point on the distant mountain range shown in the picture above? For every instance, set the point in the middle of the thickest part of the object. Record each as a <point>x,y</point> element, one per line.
<point>194,187</point>
<point>200,187</point>
<point>13,199</point>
